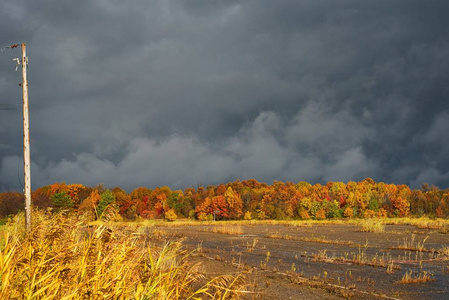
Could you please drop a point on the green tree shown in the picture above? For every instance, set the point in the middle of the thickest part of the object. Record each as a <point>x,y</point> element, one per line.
<point>61,201</point>
<point>107,200</point>
<point>333,209</point>
<point>373,204</point>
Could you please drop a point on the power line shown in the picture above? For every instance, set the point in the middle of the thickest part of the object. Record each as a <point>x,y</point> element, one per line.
<point>11,83</point>
<point>4,106</point>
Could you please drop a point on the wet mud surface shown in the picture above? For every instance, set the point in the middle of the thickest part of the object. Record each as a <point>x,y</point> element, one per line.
<point>324,261</point>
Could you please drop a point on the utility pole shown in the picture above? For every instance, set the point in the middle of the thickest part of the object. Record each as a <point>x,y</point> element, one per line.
<point>26,141</point>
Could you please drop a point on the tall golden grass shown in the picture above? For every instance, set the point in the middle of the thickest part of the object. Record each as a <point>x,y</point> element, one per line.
<point>372,225</point>
<point>423,222</point>
<point>65,258</point>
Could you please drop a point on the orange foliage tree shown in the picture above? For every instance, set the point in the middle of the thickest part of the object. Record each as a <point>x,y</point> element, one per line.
<point>89,205</point>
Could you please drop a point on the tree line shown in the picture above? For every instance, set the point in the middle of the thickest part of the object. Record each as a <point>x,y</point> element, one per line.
<point>248,199</point>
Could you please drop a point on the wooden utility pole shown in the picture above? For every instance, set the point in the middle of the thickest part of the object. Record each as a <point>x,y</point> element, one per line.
<point>26,141</point>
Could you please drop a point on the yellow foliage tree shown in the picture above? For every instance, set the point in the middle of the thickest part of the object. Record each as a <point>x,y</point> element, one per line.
<point>235,204</point>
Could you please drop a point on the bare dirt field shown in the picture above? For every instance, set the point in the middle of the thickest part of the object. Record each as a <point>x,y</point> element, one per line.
<point>322,261</point>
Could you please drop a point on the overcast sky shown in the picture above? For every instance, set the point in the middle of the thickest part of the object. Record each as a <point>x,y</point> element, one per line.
<point>182,93</point>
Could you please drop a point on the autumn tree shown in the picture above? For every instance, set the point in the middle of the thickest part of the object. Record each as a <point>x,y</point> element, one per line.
<point>170,215</point>
<point>58,187</point>
<point>180,204</point>
<point>74,191</point>
<point>120,196</point>
<point>41,197</point>
<point>138,204</point>
<point>234,204</point>
<point>279,200</point>
<point>433,197</point>
<point>140,193</point>
<point>11,203</point>
<point>418,203</point>
<point>89,205</point>
<point>216,205</point>
<point>159,200</point>
<point>128,209</point>
<point>220,190</point>
<point>400,205</point>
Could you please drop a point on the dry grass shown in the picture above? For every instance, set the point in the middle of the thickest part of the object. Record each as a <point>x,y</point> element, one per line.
<point>423,222</point>
<point>187,222</point>
<point>230,229</point>
<point>64,258</point>
<point>414,277</point>
<point>325,240</point>
<point>412,244</point>
<point>358,258</point>
<point>225,229</point>
<point>251,246</point>
<point>279,236</point>
<point>372,225</point>
<point>313,239</point>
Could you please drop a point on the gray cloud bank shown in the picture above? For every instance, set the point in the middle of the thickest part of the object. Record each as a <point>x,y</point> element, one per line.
<point>182,93</point>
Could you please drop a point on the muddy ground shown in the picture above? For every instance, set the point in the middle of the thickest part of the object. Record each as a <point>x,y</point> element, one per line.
<point>323,261</point>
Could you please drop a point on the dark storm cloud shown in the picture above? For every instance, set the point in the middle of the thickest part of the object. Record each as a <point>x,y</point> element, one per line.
<point>181,93</point>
